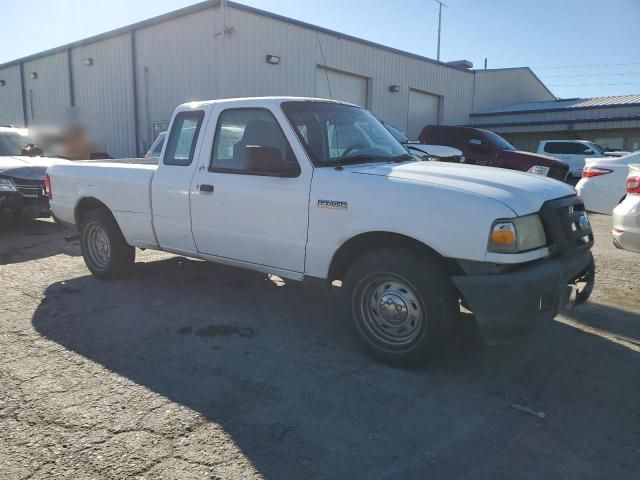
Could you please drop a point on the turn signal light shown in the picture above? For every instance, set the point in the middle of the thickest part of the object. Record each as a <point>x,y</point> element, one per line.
<point>595,172</point>
<point>503,234</point>
<point>633,185</point>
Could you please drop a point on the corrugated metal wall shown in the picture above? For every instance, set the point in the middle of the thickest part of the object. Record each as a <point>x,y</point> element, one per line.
<point>191,58</point>
<point>499,88</point>
<point>104,94</point>
<point>529,141</point>
<point>564,115</point>
<point>11,97</point>
<point>194,57</point>
<point>48,96</point>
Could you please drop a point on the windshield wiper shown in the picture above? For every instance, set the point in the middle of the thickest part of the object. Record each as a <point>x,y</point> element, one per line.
<point>403,158</point>
<point>363,158</point>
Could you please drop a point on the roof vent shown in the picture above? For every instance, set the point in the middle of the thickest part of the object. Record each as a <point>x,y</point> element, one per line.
<point>465,64</point>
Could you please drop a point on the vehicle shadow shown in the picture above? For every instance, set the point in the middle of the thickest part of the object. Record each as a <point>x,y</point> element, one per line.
<point>274,366</point>
<point>31,239</point>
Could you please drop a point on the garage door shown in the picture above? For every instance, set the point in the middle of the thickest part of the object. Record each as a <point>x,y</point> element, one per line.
<point>424,109</point>
<point>345,87</point>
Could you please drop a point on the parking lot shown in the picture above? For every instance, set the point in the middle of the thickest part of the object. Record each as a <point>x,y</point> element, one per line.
<point>194,370</point>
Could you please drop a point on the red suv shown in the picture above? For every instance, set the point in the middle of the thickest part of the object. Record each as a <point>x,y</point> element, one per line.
<point>482,147</point>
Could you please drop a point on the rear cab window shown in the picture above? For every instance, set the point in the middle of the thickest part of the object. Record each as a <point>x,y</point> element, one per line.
<point>183,138</point>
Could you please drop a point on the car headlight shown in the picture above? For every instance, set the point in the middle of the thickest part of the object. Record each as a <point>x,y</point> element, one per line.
<point>539,170</point>
<point>6,185</point>
<point>517,235</point>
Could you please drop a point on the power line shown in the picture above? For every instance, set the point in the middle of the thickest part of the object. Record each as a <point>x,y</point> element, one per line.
<point>592,75</point>
<point>586,66</point>
<point>591,84</point>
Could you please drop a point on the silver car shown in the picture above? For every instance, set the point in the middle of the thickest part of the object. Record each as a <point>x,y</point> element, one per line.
<point>626,216</point>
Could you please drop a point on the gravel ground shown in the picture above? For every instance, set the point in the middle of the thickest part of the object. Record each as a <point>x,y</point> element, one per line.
<point>193,370</point>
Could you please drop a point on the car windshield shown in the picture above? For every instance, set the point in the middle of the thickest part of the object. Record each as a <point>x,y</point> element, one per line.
<point>334,133</point>
<point>12,143</point>
<point>499,142</point>
<point>397,134</point>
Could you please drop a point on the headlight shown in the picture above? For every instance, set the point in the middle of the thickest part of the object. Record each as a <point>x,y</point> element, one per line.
<point>6,185</point>
<point>517,235</point>
<point>539,170</point>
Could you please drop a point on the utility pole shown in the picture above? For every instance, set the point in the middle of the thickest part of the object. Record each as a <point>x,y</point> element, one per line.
<point>440,5</point>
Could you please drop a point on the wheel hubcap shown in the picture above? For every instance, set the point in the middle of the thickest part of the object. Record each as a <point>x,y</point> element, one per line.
<point>391,311</point>
<point>98,246</point>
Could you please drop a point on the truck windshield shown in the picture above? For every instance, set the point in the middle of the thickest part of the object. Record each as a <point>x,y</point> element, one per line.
<point>596,148</point>
<point>334,133</point>
<point>499,142</point>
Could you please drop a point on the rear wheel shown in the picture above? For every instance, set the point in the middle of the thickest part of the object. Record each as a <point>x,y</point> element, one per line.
<point>105,251</point>
<point>402,305</point>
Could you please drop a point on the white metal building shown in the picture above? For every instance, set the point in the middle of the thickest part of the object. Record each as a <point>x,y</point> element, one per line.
<point>126,83</point>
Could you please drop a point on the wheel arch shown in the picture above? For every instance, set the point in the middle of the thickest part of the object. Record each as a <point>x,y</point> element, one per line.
<point>360,244</point>
<point>88,204</point>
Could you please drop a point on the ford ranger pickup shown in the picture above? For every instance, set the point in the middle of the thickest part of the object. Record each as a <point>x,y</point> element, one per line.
<point>311,188</point>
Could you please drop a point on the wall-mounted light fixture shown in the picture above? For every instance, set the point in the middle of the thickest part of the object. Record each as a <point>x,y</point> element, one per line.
<point>88,62</point>
<point>33,75</point>
<point>2,83</point>
<point>273,59</point>
<point>394,88</point>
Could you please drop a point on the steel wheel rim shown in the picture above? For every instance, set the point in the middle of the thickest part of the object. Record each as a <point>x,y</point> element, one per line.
<point>98,246</point>
<point>392,312</point>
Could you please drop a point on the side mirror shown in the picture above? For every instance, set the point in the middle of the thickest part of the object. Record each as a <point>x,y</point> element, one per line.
<point>268,161</point>
<point>588,151</point>
<point>476,144</point>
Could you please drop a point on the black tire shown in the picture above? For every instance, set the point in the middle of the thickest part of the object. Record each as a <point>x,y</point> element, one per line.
<point>109,260</point>
<point>386,292</point>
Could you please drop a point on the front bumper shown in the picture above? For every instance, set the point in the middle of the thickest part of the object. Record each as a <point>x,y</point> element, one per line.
<point>15,203</point>
<point>507,305</point>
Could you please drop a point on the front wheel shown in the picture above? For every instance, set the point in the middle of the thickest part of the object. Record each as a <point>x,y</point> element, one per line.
<point>402,305</point>
<point>105,251</point>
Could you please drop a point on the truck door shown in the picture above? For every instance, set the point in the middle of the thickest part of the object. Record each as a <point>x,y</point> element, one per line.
<point>250,194</point>
<point>171,182</point>
<point>480,151</point>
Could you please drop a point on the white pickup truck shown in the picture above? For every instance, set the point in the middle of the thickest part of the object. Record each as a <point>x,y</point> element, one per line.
<point>311,188</point>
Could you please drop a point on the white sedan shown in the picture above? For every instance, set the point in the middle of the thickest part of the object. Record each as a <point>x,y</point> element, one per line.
<point>626,216</point>
<point>602,185</point>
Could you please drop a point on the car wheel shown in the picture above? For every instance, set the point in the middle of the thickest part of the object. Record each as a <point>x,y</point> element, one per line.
<point>105,251</point>
<point>402,306</point>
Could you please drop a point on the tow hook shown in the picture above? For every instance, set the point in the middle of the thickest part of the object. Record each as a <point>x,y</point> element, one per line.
<point>584,283</point>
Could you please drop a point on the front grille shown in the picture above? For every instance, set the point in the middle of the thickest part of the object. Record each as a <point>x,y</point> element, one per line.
<point>559,173</point>
<point>29,188</point>
<point>568,229</point>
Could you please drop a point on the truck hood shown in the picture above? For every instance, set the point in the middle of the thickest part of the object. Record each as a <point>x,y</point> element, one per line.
<point>533,158</point>
<point>524,193</point>
<point>27,168</point>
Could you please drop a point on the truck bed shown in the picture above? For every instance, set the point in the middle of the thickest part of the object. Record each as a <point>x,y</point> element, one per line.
<point>123,185</point>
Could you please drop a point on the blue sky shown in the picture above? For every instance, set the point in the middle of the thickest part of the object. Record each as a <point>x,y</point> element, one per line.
<point>578,47</point>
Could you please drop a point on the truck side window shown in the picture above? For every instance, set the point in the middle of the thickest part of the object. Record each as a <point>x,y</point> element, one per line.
<point>242,127</point>
<point>183,138</point>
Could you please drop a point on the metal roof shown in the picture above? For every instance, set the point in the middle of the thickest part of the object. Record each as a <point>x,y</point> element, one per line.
<point>565,104</point>
<point>215,3</point>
